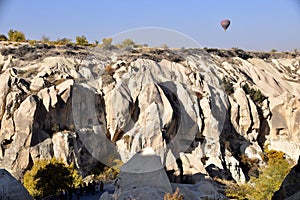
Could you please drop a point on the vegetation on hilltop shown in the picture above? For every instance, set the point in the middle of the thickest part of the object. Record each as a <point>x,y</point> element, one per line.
<point>16,36</point>
<point>3,37</point>
<point>106,43</point>
<point>81,40</point>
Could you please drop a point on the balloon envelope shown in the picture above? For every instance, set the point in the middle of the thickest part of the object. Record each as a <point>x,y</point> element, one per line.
<point>225,23</point>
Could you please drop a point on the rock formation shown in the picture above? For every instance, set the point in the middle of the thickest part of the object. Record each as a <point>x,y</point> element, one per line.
<point>199,109</point>
<point>142,177</point>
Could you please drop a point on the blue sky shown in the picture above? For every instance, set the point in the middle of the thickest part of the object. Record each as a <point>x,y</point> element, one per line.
<point>255,24</point>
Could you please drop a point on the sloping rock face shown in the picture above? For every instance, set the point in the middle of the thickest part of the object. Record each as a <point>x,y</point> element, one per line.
<point>11,188</point>
<point>200,110</point>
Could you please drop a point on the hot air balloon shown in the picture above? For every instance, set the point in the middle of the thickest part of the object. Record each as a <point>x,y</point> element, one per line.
<point>225,24</point>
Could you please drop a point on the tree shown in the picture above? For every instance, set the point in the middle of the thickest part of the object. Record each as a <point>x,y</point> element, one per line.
<point>3,37</point>
<point>63,41</point>
<point>16,36</point>
<point>48,177</point>
<point>273,51</point>
<point>45,39</point>
<point>81,40</point>
<point>164,46</point>
<point>106,43</point>
<point>30,182</point>
<point>127,43</point>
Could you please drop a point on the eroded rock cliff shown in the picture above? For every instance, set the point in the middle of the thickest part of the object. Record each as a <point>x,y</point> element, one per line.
<point>200,110</point>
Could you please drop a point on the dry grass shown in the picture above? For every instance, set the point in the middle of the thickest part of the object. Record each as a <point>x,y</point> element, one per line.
<point>175,196</point>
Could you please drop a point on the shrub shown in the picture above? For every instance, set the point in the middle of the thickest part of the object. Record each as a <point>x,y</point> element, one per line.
<point>63,41</point>
<point>110,173</point>
<point>127,43</point>
<point>296,51</point>
<point>273,50</point>
<point>164,46</point>
<point>45,39</point>
<point>48,177</point>
<point>127,139</point>
<point>3,37</point>
<point>175,196</point>
<point>106,43</point>
<point>16,36</point>
<point>246,88</point>
<point>235,191</point>
<point>81,40</point>
<point>32,42</point>
<point>228,86</point>
<point>255,95</point>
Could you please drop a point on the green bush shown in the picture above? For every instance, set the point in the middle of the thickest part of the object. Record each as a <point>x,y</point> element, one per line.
<point>228,86</point>
<point>49,177</point>
<point>273,50</point>
<point>255,95</point>
<point>270,178</point>
<point>81,40</point>
<point>16,36</point>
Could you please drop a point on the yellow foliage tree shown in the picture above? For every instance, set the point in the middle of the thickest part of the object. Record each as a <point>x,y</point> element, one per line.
<point>29,180</point>
<point>81,40</point>
<point>48,177</point>
<point>125,44</point>
<point>106,43</point>
<point>16,36</point>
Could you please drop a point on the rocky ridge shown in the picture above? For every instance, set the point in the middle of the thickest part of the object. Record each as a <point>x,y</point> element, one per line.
<point>56,100</point>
